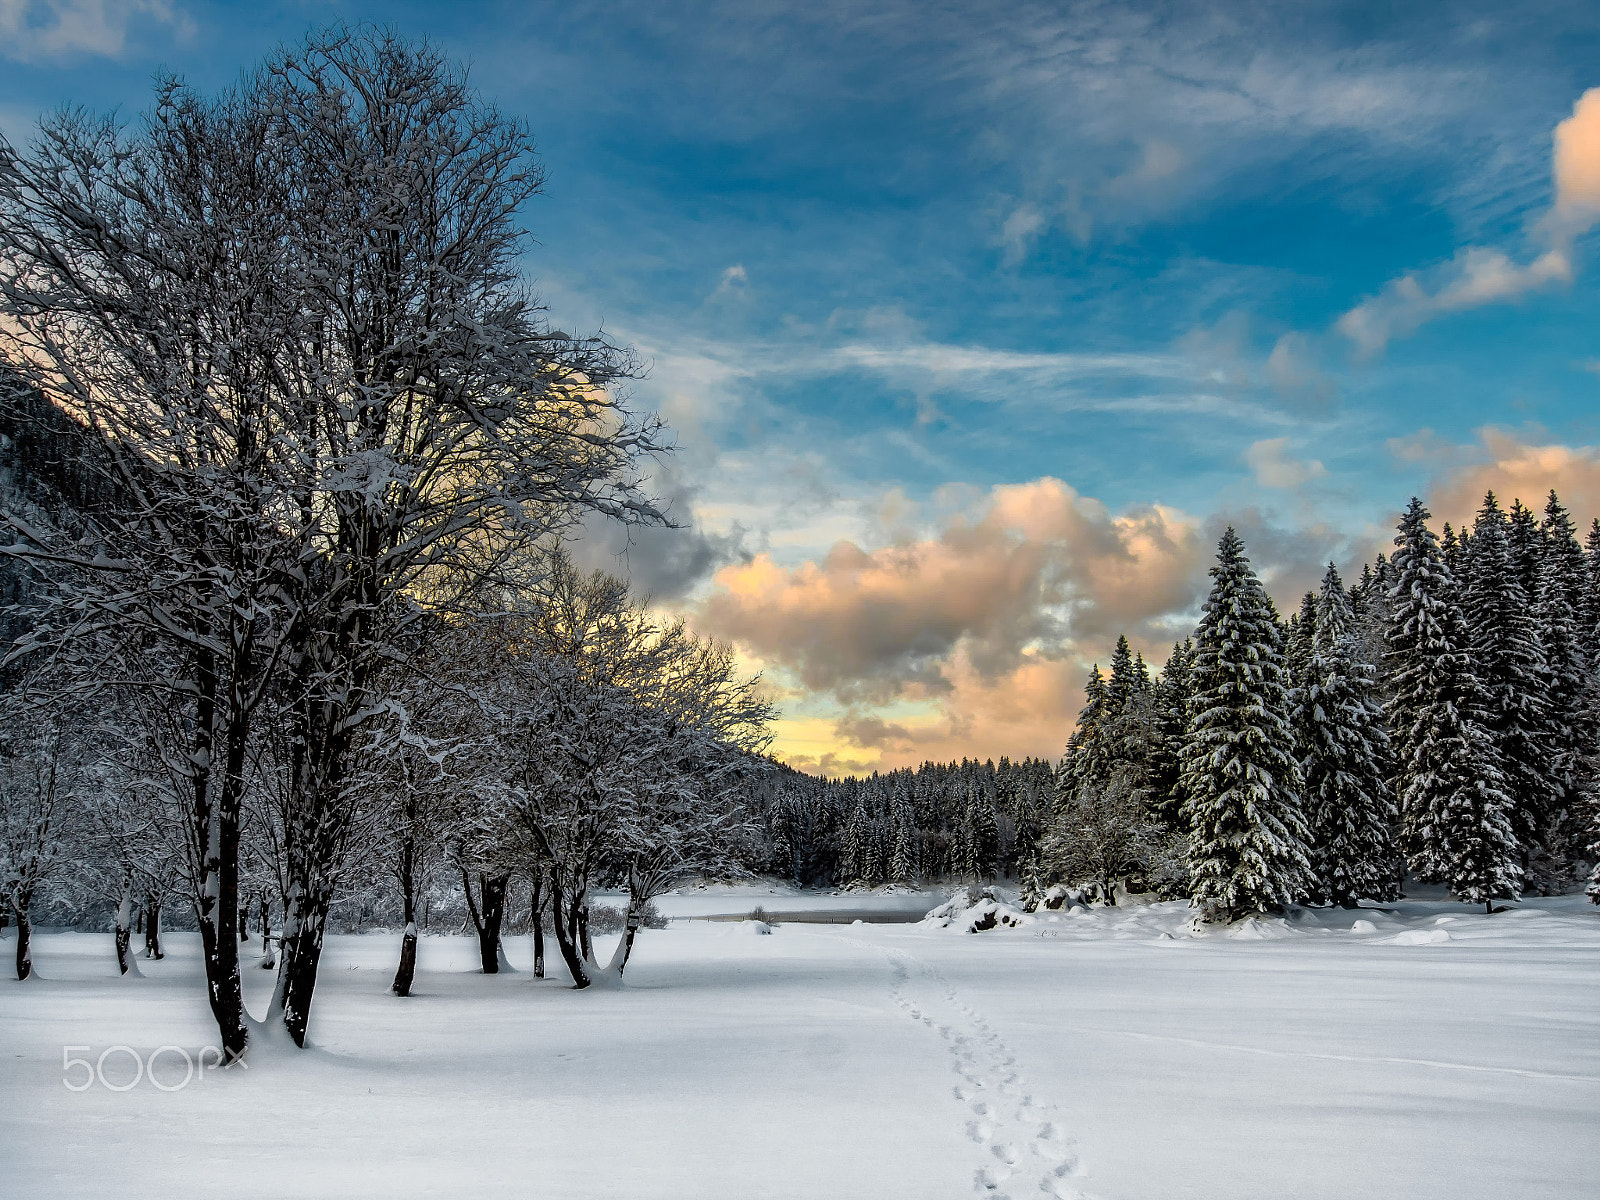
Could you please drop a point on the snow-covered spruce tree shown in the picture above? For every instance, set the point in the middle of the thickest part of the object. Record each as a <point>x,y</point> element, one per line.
<point>1122,682</point>
<point>1509,664</point>
<point>1455,827</point>
<point>1088,757</point>
<point>981,833</point>
<point>1557,606</point>
<point>1589,605</point>
<point>903,849</point>
<point>1241,780</point>
<point>1170,702</point>
<point>855,853</point>
<point>1344,746</point>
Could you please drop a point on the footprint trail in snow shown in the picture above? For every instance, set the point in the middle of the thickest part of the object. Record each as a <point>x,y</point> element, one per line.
<point>1023,1151</point>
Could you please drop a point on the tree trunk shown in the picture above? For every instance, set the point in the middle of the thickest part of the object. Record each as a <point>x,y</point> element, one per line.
<point>536,924</point>
<point>584,943</point>
<point>300,952</point>
<point>216,913</point>
<point>24,942</point>
<point>152,928</point>
<point>566,917</point>
<point>408,961</point>
<point>268,959</point>
<point>408,941</point>
<point>635,919</point>
<point>492,895</point>
<point>125,933</point>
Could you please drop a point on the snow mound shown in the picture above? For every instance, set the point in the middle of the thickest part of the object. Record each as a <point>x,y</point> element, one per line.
<point>1417,937</point>
<point>1363,927</point>
<point>1260,929</point>
<point>753,928</point>
<point>1058,897</point>
<point>972,911</point>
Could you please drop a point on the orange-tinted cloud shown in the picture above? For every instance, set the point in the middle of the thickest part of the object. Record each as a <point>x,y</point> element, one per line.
<point>1037,569</point>
<point>977,639</point>
<point>1514,467</point>
<point>1576,161</point>
<point>1027,711</point>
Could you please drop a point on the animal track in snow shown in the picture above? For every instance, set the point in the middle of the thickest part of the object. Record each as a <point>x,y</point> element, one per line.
<point>1026,1155</point>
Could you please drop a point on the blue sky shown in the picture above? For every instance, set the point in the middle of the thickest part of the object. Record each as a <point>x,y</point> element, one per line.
<point>977,323</point>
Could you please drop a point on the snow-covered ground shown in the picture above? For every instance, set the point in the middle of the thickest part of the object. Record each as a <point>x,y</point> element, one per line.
<point>1431,1052</point>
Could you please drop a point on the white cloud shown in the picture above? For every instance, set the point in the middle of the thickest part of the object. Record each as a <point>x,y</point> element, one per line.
<point>1019,230</point>
<point>1269,459</point>
<point>732,282</point>
<point>1474,277</point>
<point>46,29</point>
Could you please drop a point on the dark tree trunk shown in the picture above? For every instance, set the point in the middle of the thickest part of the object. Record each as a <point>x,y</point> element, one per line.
<point>300,949</point>
<point>216,913</point>
<point>214,826</point>
<point>152,929</point>
<point>635,919</point>
<point>138,920</point>
<point>24,943</point>
<point>584,943</point>
<point>408,962</point>
<point>408,940</point>
<point>244,921</point>
<point>492,894</point>
<point>488,916</point>
<point>565,912</point>
<point>124,936</point>
<point>536,924</point>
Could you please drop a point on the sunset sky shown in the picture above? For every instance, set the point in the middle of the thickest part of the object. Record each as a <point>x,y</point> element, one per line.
<point>977,323</point>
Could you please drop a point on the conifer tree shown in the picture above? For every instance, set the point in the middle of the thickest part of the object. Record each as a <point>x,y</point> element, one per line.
<point>903,854</point>
<point>1589,608</point>
<point>1556,607</point>
<point>1525,547</point>
<point>1453,804</point>
<point>1240,776</point>
<point>1509,662</point>
<point>1301,637</point>
<point>1170,698</point>
<point>982,833</point>
<point>1121,684</point>
<point>1345,759</point>
<point>1088,756</point>
<point>854,856</point>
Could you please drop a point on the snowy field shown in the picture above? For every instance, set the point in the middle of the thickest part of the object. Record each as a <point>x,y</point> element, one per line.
<point>1432,1052</point>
